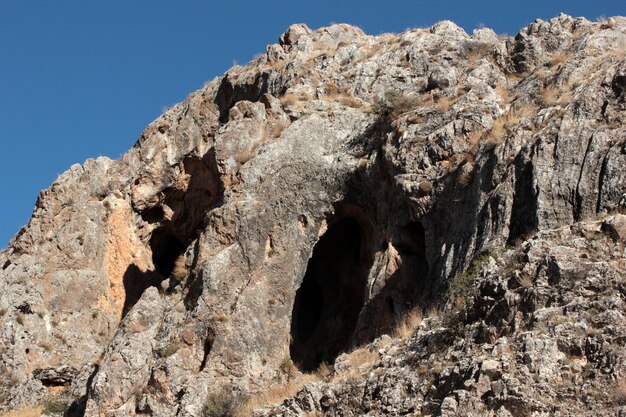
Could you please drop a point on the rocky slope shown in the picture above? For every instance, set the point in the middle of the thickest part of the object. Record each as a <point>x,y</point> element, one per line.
<point>268,244</point>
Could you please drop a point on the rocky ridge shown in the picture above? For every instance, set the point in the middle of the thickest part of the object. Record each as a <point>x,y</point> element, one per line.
<point>295,211</point>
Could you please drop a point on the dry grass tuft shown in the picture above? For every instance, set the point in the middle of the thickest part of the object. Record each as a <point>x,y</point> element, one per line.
<point>549,96</point>
<point>499,130</point>
<point>525,280</point>
<point>290,99</point>
<point>409,323</point>
<point>277,394</point>
<point>25,412</point>
<point>350,101</point>
<point>473,50</point>
<point>245,156</point>
<point>620,392</point>
<point>414,119</point>
<point>396,103</point>
<point>466,174</point>
<point>557,60</point>
<point>445,102</point>
<point>503,93</point>
<point>277,128</point>
<point>180,270</point>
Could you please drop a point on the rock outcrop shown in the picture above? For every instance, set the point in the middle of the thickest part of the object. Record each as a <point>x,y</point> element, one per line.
<point>275,230</point>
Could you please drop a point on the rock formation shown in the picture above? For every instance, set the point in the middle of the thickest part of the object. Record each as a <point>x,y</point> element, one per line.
<point>407,224</point>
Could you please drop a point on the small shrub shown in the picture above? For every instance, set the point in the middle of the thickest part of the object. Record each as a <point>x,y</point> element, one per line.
<point>170,349</point>
<point>461,285</point>
<point>221,404</point>
<point>557,60</point>
<point>19,318</point>
<point>54,407</point>
<point>395,103</point>
<point>473,51</point>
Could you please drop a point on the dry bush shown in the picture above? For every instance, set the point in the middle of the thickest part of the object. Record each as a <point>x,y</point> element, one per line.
<point>221,404</point>
<point>498,131</point>
<point>395,103</point>
<point>362,356</point>
<point>409,323</point>
<point>433,311</point>
<point>25,412</point>
<point>245,156</point>
<point>525,280</point>
<point>180,270</point>
<point>290,99</point>
<point>331,89</point>
<point>445,102</point>
<point>557,60</point>
<point>466,174</point>
<point>620,392</point>
<point>275,394</point>
<point>359,361</point>
<point>324,371</point>
<point>19,318</point>
<point>503,93</point>
<point>497,134</point>
<point>350,101</point>
<point>414,119</point>
<point>549,96</point>
<point>277,128</point>
<point>473,51</point>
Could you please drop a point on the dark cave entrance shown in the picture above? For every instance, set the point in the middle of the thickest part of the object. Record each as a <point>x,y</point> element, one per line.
<point>328,303</point>
<point>166,248</point>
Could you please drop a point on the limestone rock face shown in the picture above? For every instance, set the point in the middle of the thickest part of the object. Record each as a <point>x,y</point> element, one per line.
<point>306,204</point>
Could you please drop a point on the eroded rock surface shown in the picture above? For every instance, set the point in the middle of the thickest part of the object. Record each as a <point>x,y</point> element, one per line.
<point>302,205</point>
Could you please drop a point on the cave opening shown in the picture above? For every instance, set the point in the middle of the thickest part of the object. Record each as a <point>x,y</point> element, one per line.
<point>330,298</point>
<point>166,248</point>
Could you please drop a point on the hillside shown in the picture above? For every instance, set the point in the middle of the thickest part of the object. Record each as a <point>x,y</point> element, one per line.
<point>424,223</point>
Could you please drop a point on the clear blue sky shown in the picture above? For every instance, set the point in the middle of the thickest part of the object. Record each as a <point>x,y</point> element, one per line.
<point>80,79</point>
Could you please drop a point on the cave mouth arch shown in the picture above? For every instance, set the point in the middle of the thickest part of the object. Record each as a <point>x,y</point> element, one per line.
<point>327,304</point>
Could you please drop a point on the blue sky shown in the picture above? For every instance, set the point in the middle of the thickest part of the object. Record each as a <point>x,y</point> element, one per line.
<point>80,79</point>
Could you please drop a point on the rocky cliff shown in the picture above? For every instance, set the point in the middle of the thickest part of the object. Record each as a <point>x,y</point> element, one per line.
<point>407,224</point>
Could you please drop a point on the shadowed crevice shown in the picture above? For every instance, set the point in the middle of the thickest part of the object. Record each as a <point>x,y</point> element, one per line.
<point>328,302</point>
